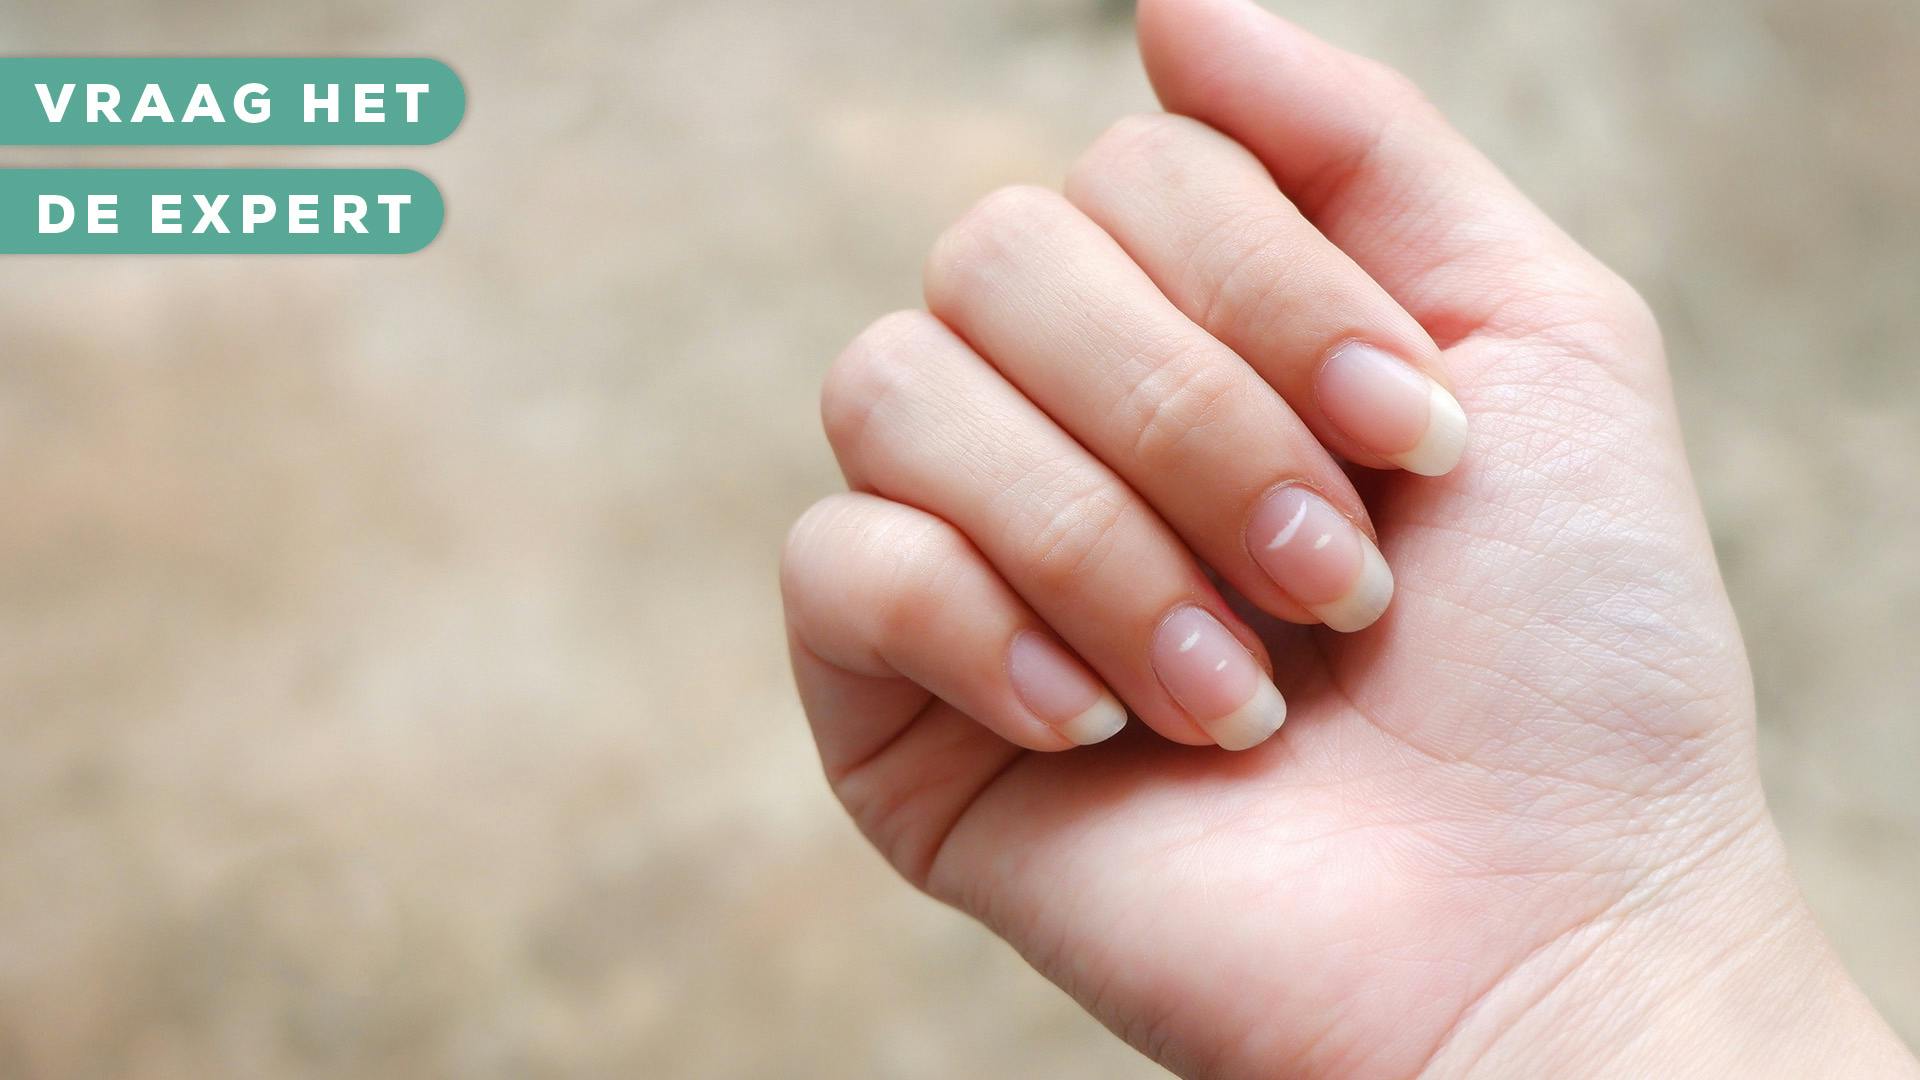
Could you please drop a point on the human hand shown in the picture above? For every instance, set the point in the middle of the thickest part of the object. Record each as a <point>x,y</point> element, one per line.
<point>1512,826</point>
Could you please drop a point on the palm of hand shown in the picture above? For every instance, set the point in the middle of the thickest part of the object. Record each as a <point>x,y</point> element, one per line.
<point>1541,721</point>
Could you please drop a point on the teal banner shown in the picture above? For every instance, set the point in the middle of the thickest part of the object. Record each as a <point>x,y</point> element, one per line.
<point>217,211</point>
<point>227,101</point>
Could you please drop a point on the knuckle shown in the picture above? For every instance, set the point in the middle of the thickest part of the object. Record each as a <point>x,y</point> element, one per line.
<point>1133,141</point>
<point>814,530</point>
<point>800,536</point>
<point>924,555</point>
<point>986,236</point>
<point>866,373</point>
<point>1246,279</point>
<point>1188,393</point>
<point>1073,533</point>
<point>1014,209</point>
<point>793,562</point>
<point>856,552</point>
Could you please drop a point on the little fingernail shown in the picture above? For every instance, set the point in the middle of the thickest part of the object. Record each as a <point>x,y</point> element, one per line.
<point>1059,691</point>
<point>1388,406</point>
<point>1320,558</point>
<point>1216,680</point>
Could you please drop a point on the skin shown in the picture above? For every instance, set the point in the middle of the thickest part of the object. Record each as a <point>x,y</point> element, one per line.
<point>1514,827</point>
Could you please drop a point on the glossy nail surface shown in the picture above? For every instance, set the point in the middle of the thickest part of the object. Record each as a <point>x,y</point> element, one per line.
<point>1320,558</point>
<point>1391,408</point>
<point>1060,691</point>
<point>1216,680</point>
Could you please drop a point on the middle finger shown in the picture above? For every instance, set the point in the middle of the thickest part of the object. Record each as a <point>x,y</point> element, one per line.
<point>1053,302</point>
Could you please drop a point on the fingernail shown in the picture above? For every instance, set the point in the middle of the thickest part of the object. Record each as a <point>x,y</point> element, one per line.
<point>1057,689</point>
<point>1215,679</point>
<point>1388,406</point>
<point>1320,558</point>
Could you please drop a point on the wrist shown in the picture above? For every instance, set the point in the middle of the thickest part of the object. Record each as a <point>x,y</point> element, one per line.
<point>1721,971</point>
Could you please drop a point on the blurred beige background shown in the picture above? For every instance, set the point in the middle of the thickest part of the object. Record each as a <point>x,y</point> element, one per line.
<point>391,678</point>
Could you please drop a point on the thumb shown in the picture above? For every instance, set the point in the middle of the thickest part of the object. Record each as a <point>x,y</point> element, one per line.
<point>1376,168</point>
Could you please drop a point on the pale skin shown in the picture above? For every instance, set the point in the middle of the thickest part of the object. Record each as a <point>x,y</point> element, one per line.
<point>1162,441</point>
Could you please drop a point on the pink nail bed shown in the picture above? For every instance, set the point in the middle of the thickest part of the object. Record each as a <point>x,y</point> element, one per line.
<point>1216,680</point>
<point>1320,558</point>
<point>1393,409</point>
<point>1057,689</point>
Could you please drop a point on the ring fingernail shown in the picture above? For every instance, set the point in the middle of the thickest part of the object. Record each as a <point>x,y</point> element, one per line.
<point>1320,558</point>
<point>1388,406</point>
<point>1215,679</point>
<point>1054,686</point>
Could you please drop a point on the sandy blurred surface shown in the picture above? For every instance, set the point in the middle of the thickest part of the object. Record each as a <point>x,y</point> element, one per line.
<point>391,680</point>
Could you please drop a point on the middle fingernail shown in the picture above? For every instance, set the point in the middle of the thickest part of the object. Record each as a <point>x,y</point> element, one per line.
<point>1320,558</point>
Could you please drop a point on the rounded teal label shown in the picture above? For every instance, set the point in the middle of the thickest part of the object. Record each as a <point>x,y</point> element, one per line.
<point>217,211</point>
<point>228,101</point>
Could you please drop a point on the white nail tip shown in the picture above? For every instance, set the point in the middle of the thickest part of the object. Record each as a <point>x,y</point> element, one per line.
<point>1249,725</point>
<point>1368,598</point>
<point>1445,440</point>
<point>1098,724</point>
